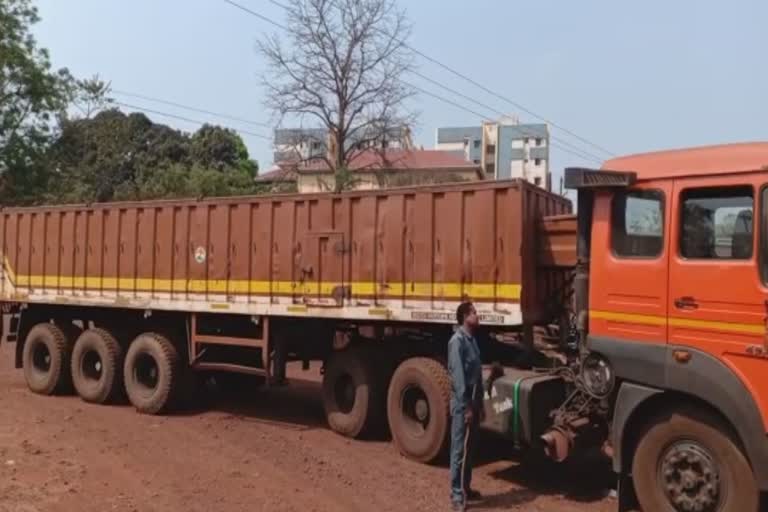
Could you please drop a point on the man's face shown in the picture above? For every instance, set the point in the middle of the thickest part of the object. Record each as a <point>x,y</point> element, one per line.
<point>471,320</point>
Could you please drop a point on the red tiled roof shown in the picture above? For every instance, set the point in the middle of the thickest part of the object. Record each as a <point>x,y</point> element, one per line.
<point>398,160</point>
<point>277,174</point>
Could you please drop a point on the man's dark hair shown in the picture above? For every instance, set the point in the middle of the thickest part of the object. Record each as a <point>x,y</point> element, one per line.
<point>462,311</point>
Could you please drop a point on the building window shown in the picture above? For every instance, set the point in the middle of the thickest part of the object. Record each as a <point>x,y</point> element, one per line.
<point>637,223</point>
<point>526,141</point>
<point>490,149</point>
<point>315,145</point>
<point>537,181</point>
<point>490,169</point>
<point>477,144</point>
<point>537,161</point>
<point>717,223</point>
<point>538,141</point>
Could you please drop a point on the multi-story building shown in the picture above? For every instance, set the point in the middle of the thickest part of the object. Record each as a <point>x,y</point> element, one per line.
<point>504,149</point>
<point>305,144</point>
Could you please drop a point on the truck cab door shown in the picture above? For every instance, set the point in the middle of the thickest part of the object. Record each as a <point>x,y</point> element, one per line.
<point>717,300</point>
<point>628,270</point>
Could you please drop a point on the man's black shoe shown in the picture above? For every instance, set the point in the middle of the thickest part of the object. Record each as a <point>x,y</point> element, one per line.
<point>457,506</point>
<point>474,495</point>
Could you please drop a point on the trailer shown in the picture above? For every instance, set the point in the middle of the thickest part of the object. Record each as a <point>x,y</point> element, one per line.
<point>636,328</point>
<point>136,297</point>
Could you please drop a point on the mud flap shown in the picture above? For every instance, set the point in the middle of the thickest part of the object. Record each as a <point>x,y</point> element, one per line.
<point>625,494</point>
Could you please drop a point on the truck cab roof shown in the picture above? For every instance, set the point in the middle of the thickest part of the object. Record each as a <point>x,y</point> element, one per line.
<point>698,161</point>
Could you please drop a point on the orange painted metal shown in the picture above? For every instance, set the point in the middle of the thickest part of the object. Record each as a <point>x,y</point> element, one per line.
<point>717,306</point>
<point>435,244</point>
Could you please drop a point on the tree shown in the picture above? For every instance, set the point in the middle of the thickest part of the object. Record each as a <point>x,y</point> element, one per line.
<point>342,66</point>
<point>31,96</point>
<point>114,156</point>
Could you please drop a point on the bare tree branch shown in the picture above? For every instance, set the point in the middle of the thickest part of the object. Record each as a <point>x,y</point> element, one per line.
<point>342,65</point>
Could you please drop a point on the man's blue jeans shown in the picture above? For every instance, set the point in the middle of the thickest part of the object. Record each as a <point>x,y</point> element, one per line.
<point>462,438</point>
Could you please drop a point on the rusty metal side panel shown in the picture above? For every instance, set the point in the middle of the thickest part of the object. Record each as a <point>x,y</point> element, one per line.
<point>263,247</point>
<point>557,241</point>
<point>162,248</point>
<point>4,221</point>
<point>284,252</point>
<point>541,289</point>
<point>50,273</point>
<point>240,232</point>
<point>383,253</point>
<point>70,242</point>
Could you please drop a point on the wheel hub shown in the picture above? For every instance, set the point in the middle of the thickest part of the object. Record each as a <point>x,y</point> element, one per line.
<point>689,477</point>
<point>41,358</point>
<point>415,409</point>
<point>421,408</point>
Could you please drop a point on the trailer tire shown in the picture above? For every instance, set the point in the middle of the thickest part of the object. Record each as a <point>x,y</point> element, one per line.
<point>690,457</point>
<point>352,393</point>
<point>418,409</point>
<point>152,373</point>
<point>97,367</point>
<point>46,355</point>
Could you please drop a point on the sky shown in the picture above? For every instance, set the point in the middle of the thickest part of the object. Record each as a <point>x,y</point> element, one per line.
<point>627,76</point>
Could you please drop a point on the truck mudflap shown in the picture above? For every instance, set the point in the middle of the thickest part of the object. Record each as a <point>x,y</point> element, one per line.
<point>518,405</point>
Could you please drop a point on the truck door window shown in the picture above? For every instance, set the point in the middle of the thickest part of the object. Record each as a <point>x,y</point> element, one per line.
<point>717,223</point>
<point>637,223</point>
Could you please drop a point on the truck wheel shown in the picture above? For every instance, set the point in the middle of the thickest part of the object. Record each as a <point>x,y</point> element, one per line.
<point>97,367</point>
<point>152,373</point>
<point>418,408</point>
<point>351,393</point>
<point>687,460</point>
<point>46,360</point>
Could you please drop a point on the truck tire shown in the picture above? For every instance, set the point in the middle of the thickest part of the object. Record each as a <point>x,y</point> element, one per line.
<point>688,460</point>
<point>152,373</point>
<point>46,355</point>
<point>97,367</point>
<point>418,408</point>
<point>352,393</point>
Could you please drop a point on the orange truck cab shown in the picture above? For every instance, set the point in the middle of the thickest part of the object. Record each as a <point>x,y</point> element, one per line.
<point>671,294</point>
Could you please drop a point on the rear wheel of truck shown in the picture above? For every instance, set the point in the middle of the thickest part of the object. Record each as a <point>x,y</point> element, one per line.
<point>152,373</point>
<point>418,408</point>
<point>97,367</point>
<point>47,350</point>
<point>352,393</point>
<point>688,460</point>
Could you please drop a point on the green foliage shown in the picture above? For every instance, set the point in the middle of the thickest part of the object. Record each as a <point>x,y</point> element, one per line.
<point>101,154</point>
<point>115,156</point>
<point>31,96</point>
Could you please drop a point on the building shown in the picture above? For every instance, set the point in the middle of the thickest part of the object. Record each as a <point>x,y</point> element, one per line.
<point>373,169</point>
<point>305,144</point>
<point>504,149</point>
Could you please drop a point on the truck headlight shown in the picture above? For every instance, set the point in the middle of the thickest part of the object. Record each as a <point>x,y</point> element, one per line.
<point>597,376</point>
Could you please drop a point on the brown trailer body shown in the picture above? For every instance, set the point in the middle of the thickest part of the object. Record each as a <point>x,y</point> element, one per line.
<point>399,255</point>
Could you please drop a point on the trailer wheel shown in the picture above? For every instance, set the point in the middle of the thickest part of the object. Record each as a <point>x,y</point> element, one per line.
<point>97,367</point>
<point>46,357</point>
<point>418,408</point>
<point>688,460</point>
<point>152,373</point>
<point>352,394</point>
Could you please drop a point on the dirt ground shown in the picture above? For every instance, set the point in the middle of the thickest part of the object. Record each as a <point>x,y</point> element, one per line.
<point>267,450</point>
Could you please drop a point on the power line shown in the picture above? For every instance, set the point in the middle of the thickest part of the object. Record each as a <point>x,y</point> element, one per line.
<point>187,119</point>
<point>576,153</point>
<point>190,108</point>
<point>254,13</point>
<point>511,102</point>
<point>589,155</point>
<point>462,76</point>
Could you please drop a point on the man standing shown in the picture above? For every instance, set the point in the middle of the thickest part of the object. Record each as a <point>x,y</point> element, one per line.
<point>465,368</point>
